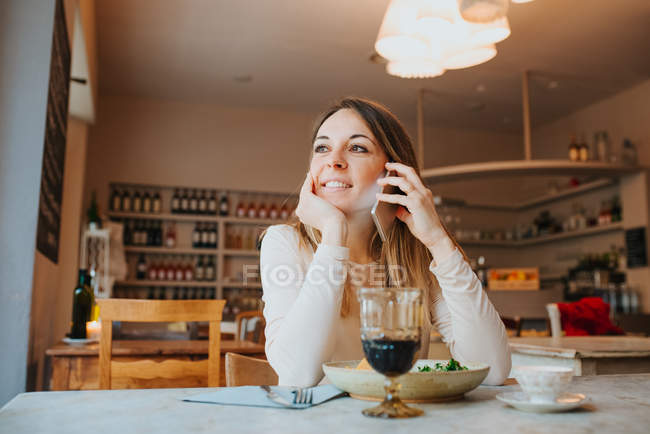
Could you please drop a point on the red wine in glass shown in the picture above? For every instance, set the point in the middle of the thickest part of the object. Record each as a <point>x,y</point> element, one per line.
<point>391,357</point>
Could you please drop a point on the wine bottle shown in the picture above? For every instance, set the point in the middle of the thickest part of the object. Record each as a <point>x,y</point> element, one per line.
<point>146,202</point>
<point>141,269</point>
<point>210,269</point>
<point>82,303</point>
<point>194,203</point>
<point>205,236</point>
<point>203,203</point>
<point>196,235</point>
<point>185,203</point>
<point>157,203</point>
<point>176,202</point>
<point>116,201</point>
<point>137,202</point>
<point>212,203</point>
<point>224,206</point>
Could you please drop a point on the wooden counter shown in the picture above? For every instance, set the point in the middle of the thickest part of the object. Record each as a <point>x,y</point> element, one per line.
<point>587,355</point>
<point>74,367</point>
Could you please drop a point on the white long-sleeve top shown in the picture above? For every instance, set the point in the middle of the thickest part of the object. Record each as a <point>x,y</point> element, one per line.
<point>304,329</point>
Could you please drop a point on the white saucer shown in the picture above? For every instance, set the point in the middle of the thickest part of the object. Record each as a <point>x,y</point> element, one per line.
<point>71,341</point>
<point>521,401</point>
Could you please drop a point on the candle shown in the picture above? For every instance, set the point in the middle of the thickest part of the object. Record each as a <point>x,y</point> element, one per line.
<point>93,330</point>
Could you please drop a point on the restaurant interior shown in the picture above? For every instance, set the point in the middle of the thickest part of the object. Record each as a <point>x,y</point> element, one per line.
<point>147,145</point>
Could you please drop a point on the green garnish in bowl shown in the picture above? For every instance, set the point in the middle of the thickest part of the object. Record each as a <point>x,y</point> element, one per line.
<point>452,365</point>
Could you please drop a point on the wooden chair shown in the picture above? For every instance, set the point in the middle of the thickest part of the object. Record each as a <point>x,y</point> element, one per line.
<point>248,371</point>
<point>159,311</point>
<point>242,321</point>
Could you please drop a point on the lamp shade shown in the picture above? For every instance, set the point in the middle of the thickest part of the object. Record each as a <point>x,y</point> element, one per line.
<point>483,11</point>
<point>470,57</point>
<point>490,33</point>
<point>414,69</point>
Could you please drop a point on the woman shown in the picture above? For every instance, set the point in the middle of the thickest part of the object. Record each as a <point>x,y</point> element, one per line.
<point>311,310</point>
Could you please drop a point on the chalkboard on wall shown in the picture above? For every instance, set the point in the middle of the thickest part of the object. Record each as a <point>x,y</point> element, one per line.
<point>635,245</point>
<point>51,196</point>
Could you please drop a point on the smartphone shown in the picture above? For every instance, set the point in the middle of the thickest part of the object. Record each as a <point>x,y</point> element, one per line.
<point>384,213</point>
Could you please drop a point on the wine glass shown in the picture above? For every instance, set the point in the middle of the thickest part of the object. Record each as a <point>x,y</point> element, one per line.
<point>391,327</point>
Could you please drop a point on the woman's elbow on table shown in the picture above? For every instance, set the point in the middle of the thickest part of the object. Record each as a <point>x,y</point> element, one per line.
<point>499,370</point>
<point>292,372</point>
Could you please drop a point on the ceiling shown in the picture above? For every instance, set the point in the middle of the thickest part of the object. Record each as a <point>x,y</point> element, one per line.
<point>303,54</point>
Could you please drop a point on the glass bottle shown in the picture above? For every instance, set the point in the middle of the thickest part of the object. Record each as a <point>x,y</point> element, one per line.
<point>189,271</point>
<point>185,202</point>
<point>141,268</point>
<point>137,202</point>
<point>199,270</point>
<point>629,153</point>
<point>176,202</point>
<point>194,202</point>
<point>116,201</point>
<point>156,206</point>
<point>583,149</point>
<point>82,303</point>
<point>196,235</point>
<point>146,202</point>
<point>179,272</point>
<point>212,203</point>
<point>210,270</point>
<point>205,236</point>
<point>284,211</point>
<point>273,211</point>
<point>224,205</point>
<point>252,209</point>
<point>574,152</point>
<point>241,208</point>
<point>170,236</point>
<point>212,238</point>
<point>152,271</point>
<point>203,203</point>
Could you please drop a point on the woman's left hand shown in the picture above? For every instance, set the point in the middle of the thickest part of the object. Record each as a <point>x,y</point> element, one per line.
<point>417,208</point>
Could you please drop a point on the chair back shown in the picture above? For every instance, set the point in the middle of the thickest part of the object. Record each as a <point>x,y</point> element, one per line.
<point>248,371</point>
<point>115,309</point>
<point>513,324</point>
<point>244,331</point>
<point>555,319</point>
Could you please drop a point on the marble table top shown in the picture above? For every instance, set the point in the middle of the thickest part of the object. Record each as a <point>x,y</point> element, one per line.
<point>619,403</point>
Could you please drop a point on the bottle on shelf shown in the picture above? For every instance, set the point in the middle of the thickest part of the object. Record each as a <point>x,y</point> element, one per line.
<point>146,203</point>
<point>161,270</point>
<point>158,234</point>
<point>212,203</point>
<point>251,211</point>
<point>205,236</point>
<point>170,271</point>
<point>189,271</point>
<point>116,201</point>
<point>224,205</point>
<point>156,204</point>
<point>176,295</point>
<point>141,268</point>
<point>617,210</point>
<point>203,203</point>
<point>262,211</point>
<point>273,212</point>
<point>241,208</point>
<point>629,153</point>
<point>574,149</point>
<point>199,270</point>
<point>284,211</point>
<point>601,145</point>
<point>583,149</point>
<point>151,294</point>
<point>179,272</point>
<point>194,203</point>
<point>210,270</point>
<point>170,235</point>
<point>249,243</point>
<point>185,202</point>
<point>126,201</point>
<point>150,233</point>
<point>137,202</point>
<point>152,270</point>
<point>212,237</point>
<point>176,202</point>
<point>196,236</point>
<point>82,303</point>
<point>162,293</point>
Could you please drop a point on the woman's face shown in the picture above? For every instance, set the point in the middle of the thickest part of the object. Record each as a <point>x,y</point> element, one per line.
<point>346,162</point>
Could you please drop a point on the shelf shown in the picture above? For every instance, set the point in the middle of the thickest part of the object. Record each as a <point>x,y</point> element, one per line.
<point>547,198</point>
<point>179,283</point>
<point>546,238</point>
<point>192,218</point>
<point>252,285</point>
<point>240,252</point>
<point>173,251</point>
<point>527,168</point>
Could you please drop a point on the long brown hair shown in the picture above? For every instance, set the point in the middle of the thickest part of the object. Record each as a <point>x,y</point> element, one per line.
<point>401,248</point>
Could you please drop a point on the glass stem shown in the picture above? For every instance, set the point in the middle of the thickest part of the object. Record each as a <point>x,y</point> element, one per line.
<point>392,387</point>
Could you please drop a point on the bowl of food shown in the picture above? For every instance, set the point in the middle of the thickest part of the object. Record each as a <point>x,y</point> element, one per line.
<point>427,381</point>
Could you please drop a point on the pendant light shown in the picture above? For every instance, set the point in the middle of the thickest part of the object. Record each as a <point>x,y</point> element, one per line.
<point>483,11</point>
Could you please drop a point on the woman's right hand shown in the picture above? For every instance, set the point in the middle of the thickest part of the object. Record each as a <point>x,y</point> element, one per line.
<point>322,215</point>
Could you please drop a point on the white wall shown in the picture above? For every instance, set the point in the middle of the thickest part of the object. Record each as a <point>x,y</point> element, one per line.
<point>25,45</point>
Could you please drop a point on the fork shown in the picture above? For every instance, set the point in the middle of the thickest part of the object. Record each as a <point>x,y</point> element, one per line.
<point>303,395</point>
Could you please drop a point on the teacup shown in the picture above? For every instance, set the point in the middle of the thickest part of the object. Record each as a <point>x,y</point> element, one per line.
<point>543,383</point>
